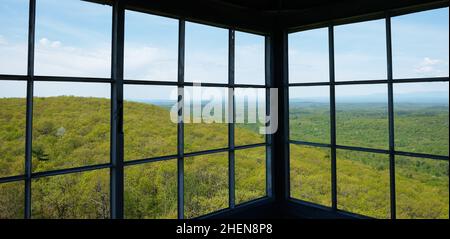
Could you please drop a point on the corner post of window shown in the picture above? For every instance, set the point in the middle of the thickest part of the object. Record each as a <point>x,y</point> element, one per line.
<point>390,116</point>
<point>332,118</point>
<point>231,119</point>
<point>269,84</point>
<point>180,128</point>
<point>117,144</point>
<point>29,107</point>
<point>281,143</point>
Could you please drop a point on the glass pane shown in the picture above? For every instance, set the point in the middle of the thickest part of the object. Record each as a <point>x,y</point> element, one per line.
<point>421,117</point>
<point>363,183</point>
<point>250,174</point>
<point>72,196</point>
<point>360,51</point>
<point>12,200</point>
<point>71,125</point>
<point>206,57</point>
<point>151,190</point>
<point>148,128</point>
<point>362,116</point>
<point>309,114</point>
<point>73,38</point>
<point>205,116</point>
<point>420,44</point>
<point>310,174</point>
<point>205,184</point>
<point>13,37</point>
<point>249,59</point>
<point>421,188</point>
<point>250,111</point>
<point>151,47</point>
<point>12,127</point>
<point>308,56</point>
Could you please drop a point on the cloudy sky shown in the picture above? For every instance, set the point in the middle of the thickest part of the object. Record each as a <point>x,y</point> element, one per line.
<point>73,38</point>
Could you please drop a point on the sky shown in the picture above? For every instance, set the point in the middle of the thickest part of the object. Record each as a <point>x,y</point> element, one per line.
<point>73,38</point>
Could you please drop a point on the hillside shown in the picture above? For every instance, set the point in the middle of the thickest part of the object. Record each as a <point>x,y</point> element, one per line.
<point>74,131</point>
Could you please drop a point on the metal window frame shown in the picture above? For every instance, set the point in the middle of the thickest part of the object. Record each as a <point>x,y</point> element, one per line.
<point>389,81</point>
<point>117,82</point>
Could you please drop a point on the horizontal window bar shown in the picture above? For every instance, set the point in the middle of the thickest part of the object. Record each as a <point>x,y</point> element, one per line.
<point>372,150</point>
<point>14,77</point>
<point>72,79</point>
<point>370,17</point>
<point>70,170</point>
<point>12,179</point>
<point>174,83</point>
<point>249,146</point>
<point>328,209</point>
<point>310,143</point>
<point>369,82</point>
<point>362,149</point>
<point>212,151</point>
<point>251,203</point>
<point>150,160</point>
<point>419,155</point>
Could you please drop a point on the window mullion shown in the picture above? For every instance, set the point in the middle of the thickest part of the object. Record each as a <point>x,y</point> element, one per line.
<point>231,119</point>
<point>29,108</point>
<point>391,117</point>
<point>332,118</point>
<point>180,129</point>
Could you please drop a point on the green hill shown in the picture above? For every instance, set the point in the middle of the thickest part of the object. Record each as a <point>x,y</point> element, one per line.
<point>74,131</point>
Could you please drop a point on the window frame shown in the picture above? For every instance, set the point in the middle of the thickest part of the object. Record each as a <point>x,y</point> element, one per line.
<point>390,81</point>
<point>117,163</point>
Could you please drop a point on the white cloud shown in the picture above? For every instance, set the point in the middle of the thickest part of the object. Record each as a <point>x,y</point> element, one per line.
<point>429,66</point>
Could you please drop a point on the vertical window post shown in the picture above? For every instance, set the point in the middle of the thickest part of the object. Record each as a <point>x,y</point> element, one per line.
<point>117,154</point>
<point>231,117</point>
<point>332,118</point>
<point>29,108</point>
<point>180,130</point>
<point>391,116</point>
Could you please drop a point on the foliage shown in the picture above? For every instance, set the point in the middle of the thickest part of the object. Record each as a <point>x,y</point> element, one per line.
<point>74,131</point>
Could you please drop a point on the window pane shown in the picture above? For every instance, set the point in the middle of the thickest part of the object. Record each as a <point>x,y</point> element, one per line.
<point>250,111</point>
<point>420,44</point>
<point>421,117</point>
<point>310,174</point>
<point>79,195</point>
<point>12,127</point>
<point>308,56</point>
<point>249,59</point>
<point>151,47</point>
<point>362,116</point>
<point>206,57</point>
<point>250,174</point>
<point>73,38</point>
<point>363,183</point>
<point>71,125</point>
<point>151,190</point>
<point>12,200</point>
<point>148,128</point>
<point>205,184</point>
<point>205,112</point>
<point>309,114</point>
<point>13,37</point>
<point>422,188</point>
<point>360,51</point>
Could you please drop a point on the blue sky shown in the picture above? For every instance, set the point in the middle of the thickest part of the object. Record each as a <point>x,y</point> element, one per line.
<point>73,38</point>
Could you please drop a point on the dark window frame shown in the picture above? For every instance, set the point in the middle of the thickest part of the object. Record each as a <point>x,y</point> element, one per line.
<point>389,81</point>
<point>117,81</point>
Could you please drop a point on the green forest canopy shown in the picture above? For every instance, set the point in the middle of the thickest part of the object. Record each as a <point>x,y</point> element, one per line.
<point>74,131</point>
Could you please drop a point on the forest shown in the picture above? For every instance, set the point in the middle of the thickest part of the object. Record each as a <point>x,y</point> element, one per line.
<point>74,131</point>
